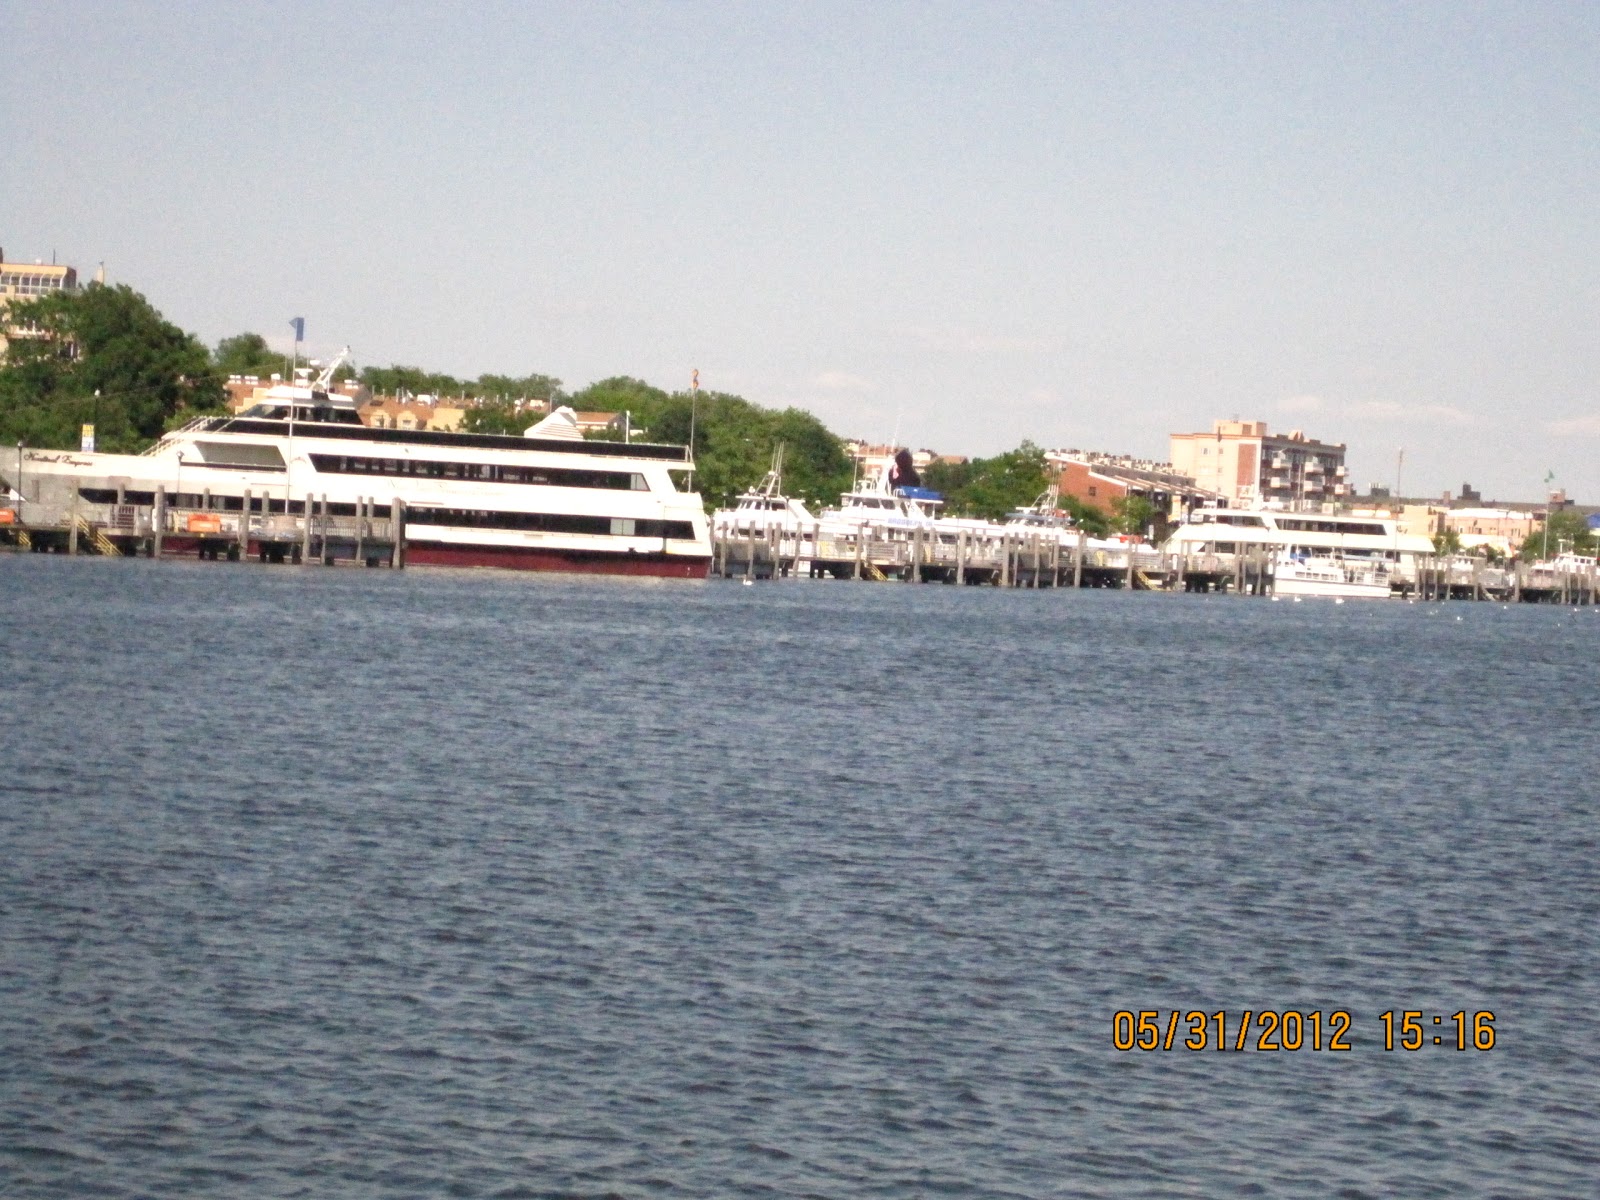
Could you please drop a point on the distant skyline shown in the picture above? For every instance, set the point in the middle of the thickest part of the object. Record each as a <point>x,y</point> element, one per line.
<point>1091,225</point>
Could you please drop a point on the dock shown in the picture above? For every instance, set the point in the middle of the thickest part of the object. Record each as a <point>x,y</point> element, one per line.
<point>368,533</point>
<point>371,533</point>
<point>1001,557</point>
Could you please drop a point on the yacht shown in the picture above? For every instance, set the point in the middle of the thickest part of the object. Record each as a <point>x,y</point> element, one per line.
<point>764,509</point>
<point>1044,516</point>
<point>1352,542</point>
<point>547,500</point>
<point>891,510</point>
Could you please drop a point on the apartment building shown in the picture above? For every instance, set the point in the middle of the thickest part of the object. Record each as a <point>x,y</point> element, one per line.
<point>1246,465</point>
<point>28,281</point>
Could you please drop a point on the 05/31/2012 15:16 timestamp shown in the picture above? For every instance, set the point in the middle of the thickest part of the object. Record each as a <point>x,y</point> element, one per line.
<point>1296,1029</point>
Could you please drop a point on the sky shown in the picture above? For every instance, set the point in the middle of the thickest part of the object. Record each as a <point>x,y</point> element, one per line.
<point>952,225</point>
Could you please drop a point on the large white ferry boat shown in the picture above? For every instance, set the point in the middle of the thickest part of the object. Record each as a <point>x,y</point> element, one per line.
<point>1352,540</point>
<point>548,500</point>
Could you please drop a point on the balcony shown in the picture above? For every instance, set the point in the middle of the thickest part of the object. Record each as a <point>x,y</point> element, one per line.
<point>1313,467</point>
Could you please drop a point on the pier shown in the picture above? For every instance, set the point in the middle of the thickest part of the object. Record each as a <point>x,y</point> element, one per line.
<point>216,529</point>
<point>1001,557</point>
<point>371,533</point>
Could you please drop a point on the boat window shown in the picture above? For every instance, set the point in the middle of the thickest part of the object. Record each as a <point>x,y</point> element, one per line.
<point>247,455</point>
<point>352,464</point>
<point>553,523</point>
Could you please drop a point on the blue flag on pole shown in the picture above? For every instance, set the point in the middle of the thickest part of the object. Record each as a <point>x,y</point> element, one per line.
<point>299,326</point>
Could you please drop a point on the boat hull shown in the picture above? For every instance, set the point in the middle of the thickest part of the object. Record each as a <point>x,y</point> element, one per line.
<point>518,558</point>
<point>1330,588</point>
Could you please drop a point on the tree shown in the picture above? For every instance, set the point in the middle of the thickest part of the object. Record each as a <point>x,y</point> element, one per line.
<point>733,438</point>
<point>396,380</point>
<point>992,487</point>
<point>1134,514</point>
<point>509,389</point>
<point>102,356</point>
<point>1564,530</point>
<point>248,354</point>
<point>1088,517</point>
<point>623,393</point>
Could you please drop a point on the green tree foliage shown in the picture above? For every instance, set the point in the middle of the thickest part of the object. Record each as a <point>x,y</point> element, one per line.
<point>505,390</point>
<point>991,487</point>
<point>410,381</point>
<point>1090,518</point>
<point>733,439</point>
<point>147,371</point>
<point>503,402</point>
<point>1567,530</point>
<point>509,389</point>
<point>1136,515</point>
<point>249,354</point>
<point>623,393</point>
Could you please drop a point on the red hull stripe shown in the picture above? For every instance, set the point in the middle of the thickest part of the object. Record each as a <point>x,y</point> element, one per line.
<point>435,554</point>
<point>673,566</point>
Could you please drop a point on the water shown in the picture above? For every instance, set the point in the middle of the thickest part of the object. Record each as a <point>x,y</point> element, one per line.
<point>378,884</point>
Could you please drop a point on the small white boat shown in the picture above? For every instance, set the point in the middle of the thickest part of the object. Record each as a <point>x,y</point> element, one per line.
<point>764,509</point>
<point>1325,575</point>
<point>764,516</point>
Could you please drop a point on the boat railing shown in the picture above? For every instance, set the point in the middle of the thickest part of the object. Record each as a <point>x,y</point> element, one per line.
<point>189,426</point>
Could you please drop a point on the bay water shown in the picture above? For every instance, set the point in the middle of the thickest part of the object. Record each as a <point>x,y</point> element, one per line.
<point>431,883</point>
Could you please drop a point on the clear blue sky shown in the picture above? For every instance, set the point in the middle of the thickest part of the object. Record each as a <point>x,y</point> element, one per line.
<point>1088,224</point>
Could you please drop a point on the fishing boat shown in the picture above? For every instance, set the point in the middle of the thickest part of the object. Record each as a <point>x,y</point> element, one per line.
<point>764,509</point>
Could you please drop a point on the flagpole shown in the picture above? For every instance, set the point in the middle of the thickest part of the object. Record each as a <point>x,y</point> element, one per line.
<point>1549,478</point>
<point>299,326</point>
<point>694,403</point>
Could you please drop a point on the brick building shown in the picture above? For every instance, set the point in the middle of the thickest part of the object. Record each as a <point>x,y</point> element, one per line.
<point>1247,466</point>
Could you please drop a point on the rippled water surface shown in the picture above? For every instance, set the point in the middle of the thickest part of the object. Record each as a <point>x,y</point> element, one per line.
<point>369,884</point>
